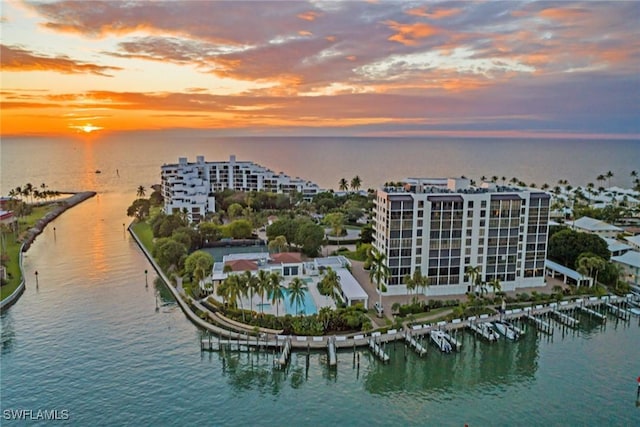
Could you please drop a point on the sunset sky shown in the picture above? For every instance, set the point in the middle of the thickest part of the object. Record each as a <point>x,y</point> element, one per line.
<point>322,67</point>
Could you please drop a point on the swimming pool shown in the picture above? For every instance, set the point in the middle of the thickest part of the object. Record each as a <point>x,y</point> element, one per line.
<point>307,307</point>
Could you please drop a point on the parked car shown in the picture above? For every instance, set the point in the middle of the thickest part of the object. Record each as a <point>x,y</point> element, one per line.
<point>379,309</point>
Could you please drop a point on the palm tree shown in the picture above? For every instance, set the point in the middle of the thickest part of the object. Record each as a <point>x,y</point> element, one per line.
<point>379,271</point>
<point>27,190</point>
<point>495,286</point>
<point>494,178</point>
<point>250,285</point>
<point>601,178</point>
<point>234,289</point>
<point>356,182</point>
<point>410,284</point>
<point>276,290</point>
<point>262,285</point>
<point>324,316</point>
<point>331,282</point>
<point>609,175</point>
<point>297,289</point>
<point>343,185</point>
<point>141,191</point>
<point>475,275</point>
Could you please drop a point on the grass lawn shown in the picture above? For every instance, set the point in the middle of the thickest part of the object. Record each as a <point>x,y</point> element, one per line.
<point>12,249</point>
<point>144,233</point>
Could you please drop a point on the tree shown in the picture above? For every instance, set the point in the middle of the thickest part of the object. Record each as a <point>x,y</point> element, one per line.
<point>278,244</point>
<point>276,289</point>
<point>336,222</point>
<point>566,245</point>
<point>139,209</point>
<point>169,253</point>
<point>416,281</point>
<point>379,270</point>
<point>366,234</point>
<point>198,265</point>
<point>609,175</point>
<point>234,211</point>
<point>250,284</point>
<point>356,183</point>
<point>239,229</point>
<point>410,284</point>
<point>233,288</point>
<point>475,275</point>
<point>325,315</point>
<point>141,191</point>
<point>343,185</point>
<point>309,237</point>
<point>589,265</point>
<point>209,232</point>
<point>263,280</point>
<point>330,284</point>
<point>495,285</point>
<point>297,289</point>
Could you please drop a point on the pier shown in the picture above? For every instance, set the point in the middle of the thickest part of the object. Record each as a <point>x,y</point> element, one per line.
<point>331,350</point>
<point>541,325</point>
<point>441,333</point>
<point>483,330</point>
<point>378,351</point>
<point>414,344</point>
<point>441,342</point>
<point>594,313</point>
<point>284,355</point>
<point>618,312</point>
<point>565,319</point>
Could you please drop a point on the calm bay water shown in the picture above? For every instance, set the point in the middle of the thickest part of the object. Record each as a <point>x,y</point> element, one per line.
<point>88,338</point>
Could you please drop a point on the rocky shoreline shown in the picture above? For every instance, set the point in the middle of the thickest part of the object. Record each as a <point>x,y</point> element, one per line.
<point>62,206</point>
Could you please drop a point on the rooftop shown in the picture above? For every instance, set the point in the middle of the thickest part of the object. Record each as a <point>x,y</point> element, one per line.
<point>631,258</point>
<point>591,224</point>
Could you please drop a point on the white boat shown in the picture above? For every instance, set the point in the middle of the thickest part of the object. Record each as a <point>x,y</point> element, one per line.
<point>440,340</point>
<point>507,329</point>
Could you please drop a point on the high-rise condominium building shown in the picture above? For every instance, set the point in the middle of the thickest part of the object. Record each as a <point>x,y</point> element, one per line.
<point>191,186</point>
<point>444,226</point>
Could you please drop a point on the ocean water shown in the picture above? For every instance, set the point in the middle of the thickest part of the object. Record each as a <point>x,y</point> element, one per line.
<point>87,338</point>
<point>129,160</point>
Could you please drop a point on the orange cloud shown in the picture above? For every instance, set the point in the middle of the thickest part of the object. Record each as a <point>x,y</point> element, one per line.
<point>409,34</point>
<point>563,14</point>
<point>438,13</point>
<point>18,59</point>
<point>309,16</point>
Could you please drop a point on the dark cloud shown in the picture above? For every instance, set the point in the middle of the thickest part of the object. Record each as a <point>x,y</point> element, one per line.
<point>18,59</point>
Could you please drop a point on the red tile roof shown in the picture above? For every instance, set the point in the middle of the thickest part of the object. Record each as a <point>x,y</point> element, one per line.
<point>242,265</point>
<point>287,257</point>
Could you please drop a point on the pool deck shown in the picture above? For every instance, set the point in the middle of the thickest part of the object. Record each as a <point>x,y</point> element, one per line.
<point>319,300</point>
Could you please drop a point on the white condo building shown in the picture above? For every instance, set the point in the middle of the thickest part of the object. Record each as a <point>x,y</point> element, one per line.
<point>445,225</point>
<point>192,185</point>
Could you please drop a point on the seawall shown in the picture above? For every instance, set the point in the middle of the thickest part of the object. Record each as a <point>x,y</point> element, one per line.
<point>34,231</point>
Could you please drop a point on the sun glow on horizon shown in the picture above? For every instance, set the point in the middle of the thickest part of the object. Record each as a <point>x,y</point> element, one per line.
<point>87,128</point>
